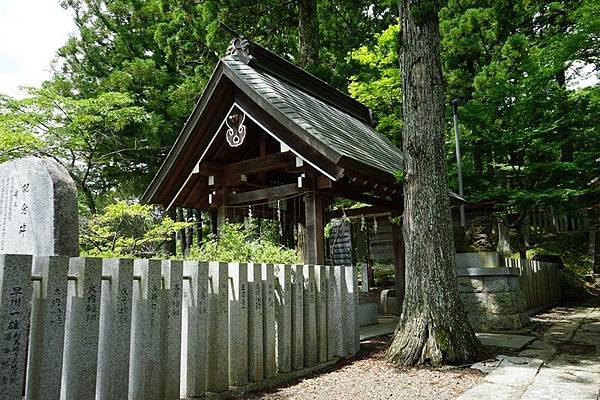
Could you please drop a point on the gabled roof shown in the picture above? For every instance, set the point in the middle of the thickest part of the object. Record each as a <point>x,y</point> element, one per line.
<point>344,133</point>
<point>325,120</point>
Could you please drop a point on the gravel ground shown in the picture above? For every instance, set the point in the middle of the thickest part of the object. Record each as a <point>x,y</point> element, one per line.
<point>368,376</point>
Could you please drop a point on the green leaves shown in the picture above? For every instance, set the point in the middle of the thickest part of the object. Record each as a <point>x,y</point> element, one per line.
<point>239,243</point>
<point>93,137</point>
<point>126,229</point>
<point>378,84</point>
<point>526,138</point>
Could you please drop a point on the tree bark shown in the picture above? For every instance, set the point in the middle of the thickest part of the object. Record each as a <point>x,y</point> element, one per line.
<point>433,327</point>
<point>308,33</point>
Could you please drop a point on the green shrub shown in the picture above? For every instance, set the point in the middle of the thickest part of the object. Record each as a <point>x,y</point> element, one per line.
<point>239,243</point>
<point>126,229</point>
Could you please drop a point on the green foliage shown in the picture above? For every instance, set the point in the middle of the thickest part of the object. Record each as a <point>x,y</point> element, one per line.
<point>92,137</point>
<point>399,175</point>
<point>377,83</point>
<point>125,83</point>
<point>238,243</point>
<point>16,140</point>
<point>127,230</point>
<point>525,136</point>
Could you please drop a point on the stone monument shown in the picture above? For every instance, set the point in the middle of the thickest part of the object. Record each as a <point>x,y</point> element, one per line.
<point>38,208</point>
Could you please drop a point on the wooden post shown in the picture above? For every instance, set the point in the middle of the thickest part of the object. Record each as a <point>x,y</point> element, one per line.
<point>314,240</point>
<point>399,267</point>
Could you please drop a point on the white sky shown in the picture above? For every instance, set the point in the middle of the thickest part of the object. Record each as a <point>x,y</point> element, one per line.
<point>31,31</point>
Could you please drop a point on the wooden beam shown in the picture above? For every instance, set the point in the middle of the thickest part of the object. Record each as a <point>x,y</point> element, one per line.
<point>366,211</point>
<point>259,165</point>
<point>210,168</point>
<point>353,192</point>
<point>263,194</point>
<point>324,182</point>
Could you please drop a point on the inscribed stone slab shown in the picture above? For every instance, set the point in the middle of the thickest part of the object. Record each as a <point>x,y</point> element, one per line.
<point>218,332</point>
<point>195,330</point>
<point>38,208</point>
<point>47,335</point>
<point>255,323</point>
<point>283,303</point>
<point>115,330</point>
<point>82,329</point>
<point>15,292</point>
<point>297,317</point>
<point>144,371</point>
<point>310,317</point>
<point>238,324</point>
<point>269,354</point>
<point>172,275</point>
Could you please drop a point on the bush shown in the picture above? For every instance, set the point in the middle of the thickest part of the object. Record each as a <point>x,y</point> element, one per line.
<point>126,229</point>
<point>239,243</point>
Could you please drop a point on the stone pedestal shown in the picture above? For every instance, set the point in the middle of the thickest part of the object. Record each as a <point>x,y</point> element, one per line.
<point>492,298</point>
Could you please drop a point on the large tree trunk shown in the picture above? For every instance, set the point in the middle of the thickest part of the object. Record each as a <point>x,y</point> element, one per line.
<point>433,327</point>
<point>308,32</point>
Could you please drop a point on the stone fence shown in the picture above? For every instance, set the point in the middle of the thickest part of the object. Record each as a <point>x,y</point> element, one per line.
<point>501,298</point>
<point>85,328</point>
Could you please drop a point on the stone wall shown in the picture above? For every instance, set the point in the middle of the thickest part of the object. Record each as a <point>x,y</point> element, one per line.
<point>492,298</point>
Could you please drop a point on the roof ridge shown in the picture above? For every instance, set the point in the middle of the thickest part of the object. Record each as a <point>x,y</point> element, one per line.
<point>261,58</point>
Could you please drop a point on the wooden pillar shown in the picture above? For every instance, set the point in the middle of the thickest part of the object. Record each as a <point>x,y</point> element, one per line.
<point>399,266</point>
<point>314,239</point>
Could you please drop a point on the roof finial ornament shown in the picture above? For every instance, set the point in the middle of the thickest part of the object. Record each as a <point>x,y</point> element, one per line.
<point>239,47</point>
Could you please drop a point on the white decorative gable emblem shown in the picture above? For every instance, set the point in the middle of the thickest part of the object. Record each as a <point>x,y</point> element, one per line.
<point>236,131</point>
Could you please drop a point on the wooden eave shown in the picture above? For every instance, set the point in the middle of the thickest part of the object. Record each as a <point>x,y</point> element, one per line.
<point>181,147</point>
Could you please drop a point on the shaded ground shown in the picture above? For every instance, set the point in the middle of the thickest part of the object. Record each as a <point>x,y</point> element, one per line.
<point>562,363</point>
<point>368,376</point>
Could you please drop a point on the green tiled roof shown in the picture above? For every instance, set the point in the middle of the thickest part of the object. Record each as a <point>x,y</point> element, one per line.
<point>337,130</point>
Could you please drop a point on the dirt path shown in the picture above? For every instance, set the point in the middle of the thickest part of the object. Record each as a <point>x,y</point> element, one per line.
<point>368,376</point>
